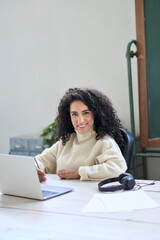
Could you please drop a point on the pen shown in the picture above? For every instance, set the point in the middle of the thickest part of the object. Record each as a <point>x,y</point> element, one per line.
<point>38,166</point>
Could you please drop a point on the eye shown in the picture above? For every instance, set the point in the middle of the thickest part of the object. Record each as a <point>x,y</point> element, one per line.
<point>86,112</point>
<point>74,114</point>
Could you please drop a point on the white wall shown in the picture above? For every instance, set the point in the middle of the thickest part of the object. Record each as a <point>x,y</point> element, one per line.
<point>48,46</point>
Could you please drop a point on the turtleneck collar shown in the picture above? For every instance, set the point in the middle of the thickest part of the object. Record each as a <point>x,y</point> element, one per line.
<point>82,137</point>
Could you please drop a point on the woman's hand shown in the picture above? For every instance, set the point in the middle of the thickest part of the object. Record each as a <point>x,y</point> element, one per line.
<point>41,175</point>
<point>68,173</point>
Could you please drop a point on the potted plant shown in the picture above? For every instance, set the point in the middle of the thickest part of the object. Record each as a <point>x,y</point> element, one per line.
<point>49,134</point>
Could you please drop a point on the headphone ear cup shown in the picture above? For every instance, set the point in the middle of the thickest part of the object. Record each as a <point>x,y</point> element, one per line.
<point>127,181</point>
<point>122,175</point>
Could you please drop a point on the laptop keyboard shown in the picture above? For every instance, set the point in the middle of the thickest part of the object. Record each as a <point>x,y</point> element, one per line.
<point>48,193</point>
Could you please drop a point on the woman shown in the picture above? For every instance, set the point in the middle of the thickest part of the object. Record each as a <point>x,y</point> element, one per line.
<point>88,133</point>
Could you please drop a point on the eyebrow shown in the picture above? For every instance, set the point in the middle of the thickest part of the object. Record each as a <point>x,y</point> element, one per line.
<point>82,111</point>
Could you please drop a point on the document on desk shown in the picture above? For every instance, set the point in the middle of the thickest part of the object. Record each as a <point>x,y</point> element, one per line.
<point>125,201</point>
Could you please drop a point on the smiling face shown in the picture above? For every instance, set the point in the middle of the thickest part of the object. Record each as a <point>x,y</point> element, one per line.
<point>82,118</point>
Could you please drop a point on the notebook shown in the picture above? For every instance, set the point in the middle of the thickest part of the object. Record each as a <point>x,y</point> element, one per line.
<point>18,177</point>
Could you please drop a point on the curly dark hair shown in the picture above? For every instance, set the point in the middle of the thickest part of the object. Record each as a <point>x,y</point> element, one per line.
<point>105,117</point>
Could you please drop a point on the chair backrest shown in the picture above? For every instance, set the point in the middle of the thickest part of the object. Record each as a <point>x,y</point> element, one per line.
<point>128,147</point>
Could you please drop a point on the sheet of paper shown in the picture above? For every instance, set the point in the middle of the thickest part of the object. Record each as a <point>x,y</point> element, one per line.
<point>120,201</point>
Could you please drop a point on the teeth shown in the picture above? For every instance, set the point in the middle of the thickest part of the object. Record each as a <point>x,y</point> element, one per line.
<point>82,125</point>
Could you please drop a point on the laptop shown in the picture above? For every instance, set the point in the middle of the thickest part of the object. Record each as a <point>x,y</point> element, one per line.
<point>18,177</point>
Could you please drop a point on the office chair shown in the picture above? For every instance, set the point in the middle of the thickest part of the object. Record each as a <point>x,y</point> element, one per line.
<point>128,147</point>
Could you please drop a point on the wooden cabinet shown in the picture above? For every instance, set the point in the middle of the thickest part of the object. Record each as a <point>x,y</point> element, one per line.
<point>148,49</point>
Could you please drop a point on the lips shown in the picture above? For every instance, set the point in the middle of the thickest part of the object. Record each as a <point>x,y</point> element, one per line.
<point>82,126</point>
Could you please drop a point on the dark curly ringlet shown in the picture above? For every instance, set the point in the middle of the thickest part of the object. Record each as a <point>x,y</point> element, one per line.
<point>106,120</point>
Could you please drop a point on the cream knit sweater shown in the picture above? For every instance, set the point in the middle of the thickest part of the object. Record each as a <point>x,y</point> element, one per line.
<point>94,159</point>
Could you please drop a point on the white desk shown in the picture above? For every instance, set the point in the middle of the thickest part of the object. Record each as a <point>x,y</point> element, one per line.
<point>62,217</point>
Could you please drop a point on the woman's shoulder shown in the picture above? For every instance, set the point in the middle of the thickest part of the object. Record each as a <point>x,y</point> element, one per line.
<point>107,138</point>
<point>109,141</point>
<point>70,140</point>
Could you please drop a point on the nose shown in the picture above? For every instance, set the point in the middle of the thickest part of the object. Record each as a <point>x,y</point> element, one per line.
<point>80,118</point>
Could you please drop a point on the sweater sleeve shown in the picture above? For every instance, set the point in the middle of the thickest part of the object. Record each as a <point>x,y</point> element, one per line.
<point>47,159</point>
<point>110,163</point>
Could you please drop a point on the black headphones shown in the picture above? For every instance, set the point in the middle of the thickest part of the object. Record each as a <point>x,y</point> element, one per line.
<point>127,182</point>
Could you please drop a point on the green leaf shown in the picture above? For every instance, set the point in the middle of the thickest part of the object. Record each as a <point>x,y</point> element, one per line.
<point>49,133</point>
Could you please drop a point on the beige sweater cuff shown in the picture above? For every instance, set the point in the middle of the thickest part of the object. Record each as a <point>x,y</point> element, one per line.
<point>83,173</point>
